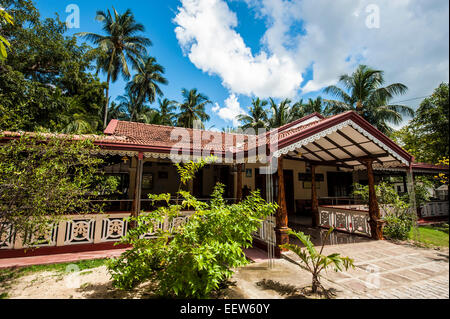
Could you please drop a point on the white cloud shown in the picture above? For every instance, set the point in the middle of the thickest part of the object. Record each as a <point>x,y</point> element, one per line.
<point>231,110</point>
<point>206,32</point>
<point>411,45</point>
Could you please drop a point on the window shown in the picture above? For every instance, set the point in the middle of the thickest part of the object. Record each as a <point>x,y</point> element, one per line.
<point>147,181</point>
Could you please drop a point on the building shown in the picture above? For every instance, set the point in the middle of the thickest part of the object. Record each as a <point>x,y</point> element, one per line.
<point>312,163</point>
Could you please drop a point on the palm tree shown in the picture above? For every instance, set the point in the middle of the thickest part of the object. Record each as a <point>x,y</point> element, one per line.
<point>280,113</point>
<point>118,47</point>
<point>257,118</point>
<point>116,112</point>
<point>145,82</point>
<point>367,96</point>
<point>167,112</point>
<point>131,105</point>
<point>193,108</point>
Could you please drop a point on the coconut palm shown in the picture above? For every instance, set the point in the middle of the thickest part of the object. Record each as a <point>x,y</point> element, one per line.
<point>166,112</point>
<point>257,117</point>
<point>131,105</point>
<point>193,108</point>
<point>116,112</point>
<point>280,113</point>
<point>363,92</point>
<point>145,83</point>
<point>120,46</point>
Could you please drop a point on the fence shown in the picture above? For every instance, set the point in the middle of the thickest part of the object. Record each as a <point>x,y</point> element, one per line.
<point>84,229</point>
<point>348,218</point>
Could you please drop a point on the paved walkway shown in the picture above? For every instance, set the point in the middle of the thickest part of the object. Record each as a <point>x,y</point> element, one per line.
<point>59,258</point>
<point>389,271</point>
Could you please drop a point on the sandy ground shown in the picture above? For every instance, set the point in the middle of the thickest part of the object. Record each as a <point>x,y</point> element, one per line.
<point>383,270</point>
<point>253,281</point>
<point>87,284</point>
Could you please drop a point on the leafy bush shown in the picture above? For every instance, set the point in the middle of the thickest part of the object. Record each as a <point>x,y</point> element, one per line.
<point>191,260</point>
<point>398,226</point>
<point>397,213</point>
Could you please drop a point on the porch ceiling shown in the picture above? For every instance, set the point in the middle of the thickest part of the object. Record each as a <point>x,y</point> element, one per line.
<point>346,146</point>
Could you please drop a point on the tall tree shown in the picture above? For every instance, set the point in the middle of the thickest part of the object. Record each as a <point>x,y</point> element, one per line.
<point>131,105</point>
<point>193,108</point>
<point>427,135</point>
<point>46,81</point>
<point>363,92</point>
<point>121,45</point>
<point>166,112</point>
<point>257,117</point>
<point>145,82</point>
<point>280,113</point>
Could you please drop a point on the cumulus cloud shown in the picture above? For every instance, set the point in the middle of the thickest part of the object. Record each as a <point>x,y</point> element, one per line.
<point>411,45</point>
<point>206,32</point>
<point>231,110</point>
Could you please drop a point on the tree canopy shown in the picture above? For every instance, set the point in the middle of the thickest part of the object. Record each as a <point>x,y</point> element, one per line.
<point>427,134</point>
<point>46,82</point>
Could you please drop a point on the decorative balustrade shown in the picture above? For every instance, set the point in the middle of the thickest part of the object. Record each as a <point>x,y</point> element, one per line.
<point>85,229</point>
<point>350,218</point>
<point>266,232</point>
<point>434,209</point>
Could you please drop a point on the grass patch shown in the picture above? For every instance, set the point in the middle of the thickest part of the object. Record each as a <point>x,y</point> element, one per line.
<point>13,273</point>
<point>431,235</point>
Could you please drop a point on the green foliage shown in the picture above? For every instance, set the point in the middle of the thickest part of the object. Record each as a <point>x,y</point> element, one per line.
<point>193,259</point>
<point>398,226</point>
<point>5,17</point>
<point>314,261</point>
<point>193,108</point>
<point>427,135</point>
<point>397,211</point>
<point>45,82</point>
<point>42,178</point>
<point>364,93</point>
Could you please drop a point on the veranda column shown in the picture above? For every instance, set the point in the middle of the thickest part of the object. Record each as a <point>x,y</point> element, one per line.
<point>374,210</point>
<point>239,184</point>
<point>138,187</point>
<point>281,229</point>
<point>314,199</point>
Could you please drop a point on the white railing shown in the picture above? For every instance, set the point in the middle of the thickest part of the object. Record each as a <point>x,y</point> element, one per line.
<point>85,229</point>
<point>266,232</point>
<point>434,209</point>
<point>348,218</point>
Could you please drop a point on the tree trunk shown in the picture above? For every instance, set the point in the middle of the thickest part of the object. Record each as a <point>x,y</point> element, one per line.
<point>315,283</point>
<point>105,122</point>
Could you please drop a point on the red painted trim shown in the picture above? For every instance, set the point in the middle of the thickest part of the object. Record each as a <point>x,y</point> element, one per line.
<point>111,128</point>
<point>18,253</point>
<point>332,121</point>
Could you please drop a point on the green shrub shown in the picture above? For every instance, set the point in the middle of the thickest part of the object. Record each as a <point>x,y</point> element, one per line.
<point>194,259</point>
<point>398,226</point>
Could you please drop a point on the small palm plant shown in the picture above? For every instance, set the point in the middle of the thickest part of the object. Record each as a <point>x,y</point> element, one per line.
<point>313,261</point>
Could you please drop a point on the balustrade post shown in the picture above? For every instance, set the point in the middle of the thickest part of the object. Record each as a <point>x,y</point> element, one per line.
<point>281,230</point>
<point>314,199</point>
<point>375,222</point>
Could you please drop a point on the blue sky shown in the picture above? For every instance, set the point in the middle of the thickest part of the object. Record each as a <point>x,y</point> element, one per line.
<point>233,50</point>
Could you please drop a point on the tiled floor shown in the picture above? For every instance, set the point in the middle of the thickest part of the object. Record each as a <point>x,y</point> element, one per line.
<point>387,270</point>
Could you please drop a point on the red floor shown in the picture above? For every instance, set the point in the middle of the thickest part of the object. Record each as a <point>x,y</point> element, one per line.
<point>59,258</point>
<point>253,254</point>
